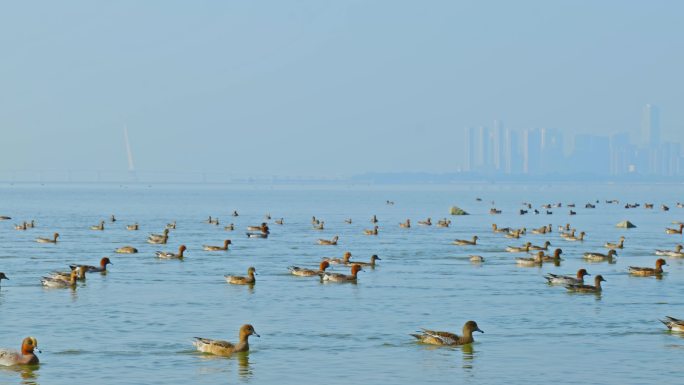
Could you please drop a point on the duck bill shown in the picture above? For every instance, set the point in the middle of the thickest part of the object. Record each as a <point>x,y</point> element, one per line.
<point>255,334</point>
<point>479,330</point>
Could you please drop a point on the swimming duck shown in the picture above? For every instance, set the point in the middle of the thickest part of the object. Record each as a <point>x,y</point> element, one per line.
<point>553,258</point>
<point>329,242</point>
<point>240,280</point>
<point>263,228</point>
<point>405,225</point>
<point>112,218</point>
<point>674,231</point>
<point>218,248</point>
<point>676,253</point>
<point>225,348</point>
<point>648,271</point>
<point>348,221</point>
<point>567,234</point>
<point>542,230</point>
<point>371,232</point>
<point>126,250</point>
<point>522,249</point>
<point>515,234</point>
<point>2,276</point>
<point>554,279</point>
<point>598,257</point>
<point>619,245</point>
<point>10,357</point>
<point>537,260</point>
<point>22,226</point>
<point>4,218</point>
<point>132,227</point>
<point>476,258</point>
<point>235,213</point>
<point>339,261</point>
<point>302,272</point>
<point>581,288</point>
<point>574,238</point>
<point>465,242</point>
<point>95,269</point>
<point>337,277</point>
<point>158,238</point>
<point>230,227</point>
<point>374,219</point>
<point>319,226</point>
<point>31,224</point>
<point>57,282</point>
<point>449,339</point>
<point>545,247</point>
<point>497,229</point>
<point>168,255</point>
<point>257,235</point>
<point>98,227</point>
<point>66,275</point>
<point>444,223</point>
<point>48,240</point>
<point>370,264</point>
<point>171,225</point>
<point>280,221</point>
<point>427,222</point>
<point>674,324</point>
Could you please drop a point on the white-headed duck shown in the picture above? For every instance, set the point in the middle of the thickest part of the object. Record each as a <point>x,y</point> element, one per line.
<point>225,348</point>
<point>27,356</point>
<point>218,248</point>
<point>240,280</point>
<point>433,337</point>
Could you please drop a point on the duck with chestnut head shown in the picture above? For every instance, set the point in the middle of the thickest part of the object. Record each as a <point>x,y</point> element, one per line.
<point>225,348</point>
<point>27,355</point>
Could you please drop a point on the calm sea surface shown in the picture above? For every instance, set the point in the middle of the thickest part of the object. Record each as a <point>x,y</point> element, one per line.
<point>135,324</point>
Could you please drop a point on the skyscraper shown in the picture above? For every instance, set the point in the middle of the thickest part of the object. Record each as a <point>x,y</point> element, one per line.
<point>531,151</point>
<point>650,126</point>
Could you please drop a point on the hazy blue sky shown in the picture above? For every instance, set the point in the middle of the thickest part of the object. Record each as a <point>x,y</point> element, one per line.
<point>322,87</point>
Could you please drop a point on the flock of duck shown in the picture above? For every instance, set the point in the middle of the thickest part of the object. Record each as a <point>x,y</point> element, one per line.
<point>537,256</point>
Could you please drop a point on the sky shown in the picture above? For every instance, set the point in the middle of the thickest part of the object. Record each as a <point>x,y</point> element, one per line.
<point>322,88</point>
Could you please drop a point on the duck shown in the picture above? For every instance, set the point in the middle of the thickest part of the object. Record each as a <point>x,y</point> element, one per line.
<point>427,222</point>
<point>371,232</point>
<point>329,242</point>
<point>171,226</point>
<point>465,242</point>
<point>619,245</point>
<point>564,228</point>
<point>2,276</point>
<point>57,282</point>
<point>225,348</point>
<point>27,355</point>
<point>339,261</point>
<point>498,229</point>
<point>319,226</point>
<point>405,225</point>
<point>522,249</point>
<point>98,227</point>
<point>48,240</point>
<point>257,235</point>
<point>570,233</point>
<point>158,238</point>
<point>582,288</point>
<point>494,211</point>
<point>476,258</point>
<point>22,226</point>
<point>370,264</point>
<point>599,257</point>
<point>574,238</point>
<point>66,275</point>
<point>112,218</point>
<point>230,227</point>
<point>338,277</point>
<point>374,219</point>
<point>677,252</point>
<point>673,324</point>
<point>280,221</point>
<point>263,228</point>
<point>126,250</point>
<point>240,280</point>
<point>674,231</point>
<point>218,248</point>
<point>5,218</point>
<point>168,255</point>
<point>235,213</point>
<point>537,260</point>
<point>348,221</point>
<point>31,224</point>
<point>541,230</point>
<point>302,272</point>
<point>446,338</point>
<point>648,271</point>
<point>132,227</point>
<point>444,222</point>
<point>554,279</point>
<point>95,269</point>
<point>545,247</point>
<point>553,258</point>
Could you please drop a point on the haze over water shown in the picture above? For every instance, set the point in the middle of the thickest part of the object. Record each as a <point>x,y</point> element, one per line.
<point>135,324</point>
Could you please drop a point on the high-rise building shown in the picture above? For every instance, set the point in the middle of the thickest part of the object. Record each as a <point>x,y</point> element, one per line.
<point>650,126</point>
<point>498,145</point>
<point>531,151</point>
<point>510,151</point>
<point>552,155</point>
<point>470,149</point>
